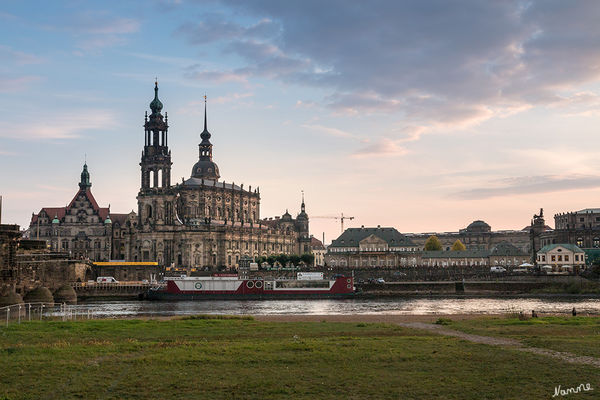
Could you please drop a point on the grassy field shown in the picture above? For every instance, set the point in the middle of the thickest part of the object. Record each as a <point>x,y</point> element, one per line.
<point>577,335</point>
<point>204,358</point>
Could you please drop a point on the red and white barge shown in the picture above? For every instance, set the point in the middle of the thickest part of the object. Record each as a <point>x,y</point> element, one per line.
<point>236,288</point>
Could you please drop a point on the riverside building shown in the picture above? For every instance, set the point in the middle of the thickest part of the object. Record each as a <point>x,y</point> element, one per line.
<point>200,222</point>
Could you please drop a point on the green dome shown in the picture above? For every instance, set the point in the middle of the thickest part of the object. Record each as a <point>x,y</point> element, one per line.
<point>107,220</point>
<point>55,220</point>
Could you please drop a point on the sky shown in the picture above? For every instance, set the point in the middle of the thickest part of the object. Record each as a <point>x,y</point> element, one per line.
<point>420,115</point>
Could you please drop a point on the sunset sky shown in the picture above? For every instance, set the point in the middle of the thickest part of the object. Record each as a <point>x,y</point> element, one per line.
<point>421,115</point>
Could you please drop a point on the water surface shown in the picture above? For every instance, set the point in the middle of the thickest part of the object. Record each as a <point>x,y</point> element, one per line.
<point>392,306</point>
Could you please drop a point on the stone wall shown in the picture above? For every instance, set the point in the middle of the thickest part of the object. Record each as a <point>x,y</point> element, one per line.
<point>48,270</point>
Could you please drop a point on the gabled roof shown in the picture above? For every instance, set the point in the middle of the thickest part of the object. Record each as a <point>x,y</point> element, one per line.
<point>528,228</point>
<point>316,244</point>
<point>352,237</point>
<point>567,246</point>
<point>60,212</point>
<point>507,249</point>
<point>51,212</point>
<point>119,218</point>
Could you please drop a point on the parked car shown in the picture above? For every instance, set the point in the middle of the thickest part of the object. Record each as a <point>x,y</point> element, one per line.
<point>106,279</point>
<point>380,281</point>
<point>497,269</point>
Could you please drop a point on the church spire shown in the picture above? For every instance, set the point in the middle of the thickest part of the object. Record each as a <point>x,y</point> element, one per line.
<point>205,168</point>
<point>205,135</point>
<point>205,129</point>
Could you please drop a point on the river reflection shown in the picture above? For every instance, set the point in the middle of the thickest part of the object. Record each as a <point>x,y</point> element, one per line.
<point>399,306</point>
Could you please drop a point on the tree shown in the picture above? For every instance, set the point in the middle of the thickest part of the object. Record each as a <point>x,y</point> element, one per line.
<point>295,259</point>
<point>282,259</point>
<point>458,246</point>
<point>308,259</point>
<point>433,244</point>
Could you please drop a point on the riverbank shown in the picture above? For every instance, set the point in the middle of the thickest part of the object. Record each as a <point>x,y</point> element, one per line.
<point>497,287</point>
<point>258,358</point>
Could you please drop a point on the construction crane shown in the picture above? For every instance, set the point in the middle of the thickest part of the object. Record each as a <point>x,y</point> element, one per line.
<point>342,217</point>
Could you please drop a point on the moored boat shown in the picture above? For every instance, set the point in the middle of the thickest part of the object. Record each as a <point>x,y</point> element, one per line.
<point>236,288</point>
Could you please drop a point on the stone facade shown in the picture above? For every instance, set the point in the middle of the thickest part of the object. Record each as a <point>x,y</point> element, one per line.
<point>9,236</point>
<point>82,229</point>
<point>200,222</point>
<point>477,236</point>
<point>386,247</point>
<point>372,247</point>
<point>580,228</point>
<point>503,254</point>
<point>318,250</point>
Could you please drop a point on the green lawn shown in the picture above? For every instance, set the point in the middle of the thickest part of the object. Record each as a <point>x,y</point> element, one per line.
<point>247,359</point>
<point>578,335</point>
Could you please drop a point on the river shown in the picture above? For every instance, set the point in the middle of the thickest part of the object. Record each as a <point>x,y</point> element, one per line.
<point>398,306</point>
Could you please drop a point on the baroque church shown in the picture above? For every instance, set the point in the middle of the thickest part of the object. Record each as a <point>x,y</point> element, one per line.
<point>199,222</point>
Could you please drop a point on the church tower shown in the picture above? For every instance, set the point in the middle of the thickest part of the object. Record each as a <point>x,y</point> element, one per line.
<point>156,156</point>
<point>85,183</point>
<point>538,226</point>
<point>205,168</point>
<point>302,228</point>
<point>154,204</point>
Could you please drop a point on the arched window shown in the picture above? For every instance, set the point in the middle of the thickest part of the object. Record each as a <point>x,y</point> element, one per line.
<point>579,242</point>
<point>160,177</point>
<point>151,179</point>
<point>148,211</point>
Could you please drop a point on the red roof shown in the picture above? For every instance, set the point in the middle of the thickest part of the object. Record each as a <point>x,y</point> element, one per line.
<point>120,218</point>
<point>316,244</point>
<point>60,212</point>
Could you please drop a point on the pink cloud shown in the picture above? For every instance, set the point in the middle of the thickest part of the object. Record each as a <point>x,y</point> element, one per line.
<point>383,147</point>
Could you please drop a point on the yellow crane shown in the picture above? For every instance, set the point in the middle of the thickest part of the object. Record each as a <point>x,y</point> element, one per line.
<point>342,217</point>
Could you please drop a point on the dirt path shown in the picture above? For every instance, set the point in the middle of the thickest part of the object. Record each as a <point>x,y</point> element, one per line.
<point>424,322</point>
<point>495,341</point>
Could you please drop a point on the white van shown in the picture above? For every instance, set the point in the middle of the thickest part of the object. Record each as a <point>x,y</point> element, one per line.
<point>497,269</point>
<point>106,279</point>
